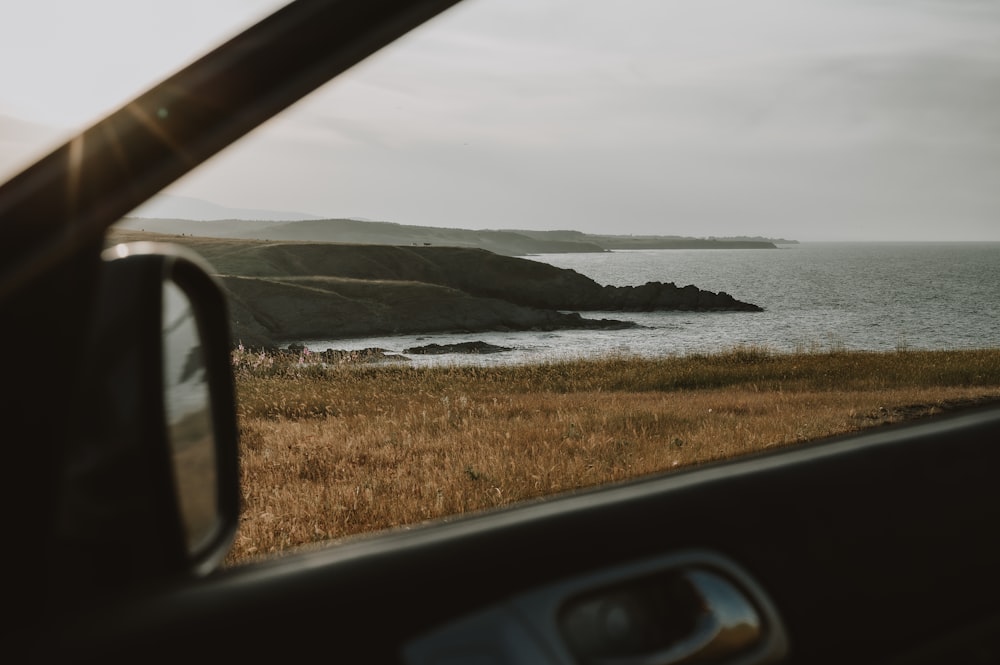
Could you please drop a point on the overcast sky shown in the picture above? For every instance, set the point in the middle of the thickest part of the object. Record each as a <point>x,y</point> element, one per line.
<point>807,119</point>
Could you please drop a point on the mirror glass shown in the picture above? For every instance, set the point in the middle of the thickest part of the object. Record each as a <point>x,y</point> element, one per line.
<point>189,419</point>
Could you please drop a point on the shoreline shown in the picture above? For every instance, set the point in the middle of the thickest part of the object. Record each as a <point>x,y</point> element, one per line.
<point>452,355</point>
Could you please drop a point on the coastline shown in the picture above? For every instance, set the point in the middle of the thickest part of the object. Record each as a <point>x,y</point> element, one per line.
<point>288,292</point>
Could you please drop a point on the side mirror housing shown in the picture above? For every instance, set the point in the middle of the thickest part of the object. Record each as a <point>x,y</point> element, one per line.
<point>151,477</point>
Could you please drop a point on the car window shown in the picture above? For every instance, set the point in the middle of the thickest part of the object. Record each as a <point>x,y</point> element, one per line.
<point>67,64</point>
<point>779,217</point>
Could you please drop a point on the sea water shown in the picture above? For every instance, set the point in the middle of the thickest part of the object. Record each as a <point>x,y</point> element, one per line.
<point>816,296</point>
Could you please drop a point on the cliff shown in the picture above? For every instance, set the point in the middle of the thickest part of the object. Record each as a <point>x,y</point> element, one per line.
<point>291,291</point>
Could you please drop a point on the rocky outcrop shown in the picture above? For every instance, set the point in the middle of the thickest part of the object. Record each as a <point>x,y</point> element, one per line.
<point>537,284</point>
<point>471,348</point>
<point>657,296</point>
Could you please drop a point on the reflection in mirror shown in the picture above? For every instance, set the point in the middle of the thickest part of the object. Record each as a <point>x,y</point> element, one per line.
<point>189,420</point>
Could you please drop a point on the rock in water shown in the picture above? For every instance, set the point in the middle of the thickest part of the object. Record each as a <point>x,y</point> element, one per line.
<point>460,347</point>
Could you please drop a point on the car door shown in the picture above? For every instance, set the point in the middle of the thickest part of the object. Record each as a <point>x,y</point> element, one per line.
<point>878,547</point>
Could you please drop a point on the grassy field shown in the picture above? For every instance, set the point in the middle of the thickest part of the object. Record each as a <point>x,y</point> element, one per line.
<point>335,449</point>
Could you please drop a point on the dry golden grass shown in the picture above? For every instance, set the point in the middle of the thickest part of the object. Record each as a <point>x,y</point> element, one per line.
<point>332,451</point>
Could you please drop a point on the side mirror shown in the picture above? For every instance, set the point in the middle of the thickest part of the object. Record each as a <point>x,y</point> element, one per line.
<point>199,408</point>
<point>151,479</point>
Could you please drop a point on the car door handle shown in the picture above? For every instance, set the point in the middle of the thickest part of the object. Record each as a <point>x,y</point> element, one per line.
<point>679,609</point>
<point>725,623</point>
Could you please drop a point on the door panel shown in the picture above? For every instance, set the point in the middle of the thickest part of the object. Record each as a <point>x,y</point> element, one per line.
<point>870,547</point>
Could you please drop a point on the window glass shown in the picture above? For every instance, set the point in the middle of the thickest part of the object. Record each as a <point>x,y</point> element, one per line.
<point>830,165</point>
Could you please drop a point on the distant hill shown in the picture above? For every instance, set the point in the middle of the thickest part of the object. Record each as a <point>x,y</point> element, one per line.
<point>613,242</point>
<point>172,214</point>
<point>509,242</point>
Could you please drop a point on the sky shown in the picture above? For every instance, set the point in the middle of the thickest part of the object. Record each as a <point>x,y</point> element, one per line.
<point>804,119</point>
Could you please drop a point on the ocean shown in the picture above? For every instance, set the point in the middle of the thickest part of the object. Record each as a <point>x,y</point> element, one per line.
<point>816,296</point>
